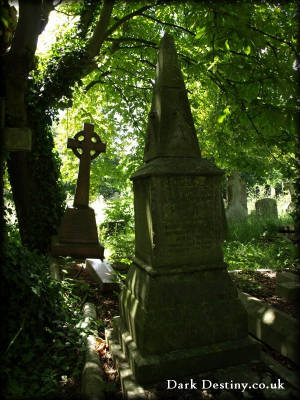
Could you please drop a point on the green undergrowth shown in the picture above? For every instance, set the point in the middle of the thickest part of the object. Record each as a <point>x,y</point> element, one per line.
<point>117,231</point>
<point>251,244</point>
<point>255,244</point>
<point>43,343</point>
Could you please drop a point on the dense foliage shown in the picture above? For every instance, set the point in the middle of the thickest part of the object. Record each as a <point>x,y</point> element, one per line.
<point>43,333</point>
<point>240,65</point>
<point>241,78</point>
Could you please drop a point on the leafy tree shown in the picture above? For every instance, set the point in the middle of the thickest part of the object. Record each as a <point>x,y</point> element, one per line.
<point>239,60</point>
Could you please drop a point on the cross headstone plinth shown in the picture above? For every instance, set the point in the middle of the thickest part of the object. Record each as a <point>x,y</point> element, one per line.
<point>77,235</point>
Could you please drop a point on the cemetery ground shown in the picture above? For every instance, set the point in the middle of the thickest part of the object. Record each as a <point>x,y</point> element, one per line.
<point>45,354</point>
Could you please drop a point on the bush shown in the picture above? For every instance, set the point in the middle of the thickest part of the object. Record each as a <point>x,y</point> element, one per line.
<point>117,231</point>
<point>41,348</point>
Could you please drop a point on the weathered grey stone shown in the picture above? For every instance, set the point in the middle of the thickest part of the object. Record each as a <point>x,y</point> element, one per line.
<point>170,130</point>
<point>288,290</point>
<point>54,269</point>
<point>237,198</point>
<point>77,234</point>
<point>92,382</point>
<point>290,376</point>
<point>273,327</point>
<point>286,276</point>
<point>86,145</point>
<point>266,208</point>
<point>179,311</point>
<point>17,139</point>
<point>103,273</point>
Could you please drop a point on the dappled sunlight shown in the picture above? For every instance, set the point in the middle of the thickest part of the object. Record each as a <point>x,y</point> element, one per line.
<point>68,63</point>
<point>284,350</point>
<point>269,317</point>
<point>149,221</point>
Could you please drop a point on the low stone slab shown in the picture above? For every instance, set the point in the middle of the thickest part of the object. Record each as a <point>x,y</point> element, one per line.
<point>288,290</point>
<point>130,388</point>
<point>92,382</point>
<point>273,327</point>
<point>290,376</point>
<point>103,273</point>
<point>287,276</point>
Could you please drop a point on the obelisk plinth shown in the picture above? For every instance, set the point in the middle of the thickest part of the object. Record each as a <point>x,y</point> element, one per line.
<point>179,311</point>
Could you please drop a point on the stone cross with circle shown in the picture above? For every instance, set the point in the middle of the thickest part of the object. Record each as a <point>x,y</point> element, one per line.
<point>86,145</point>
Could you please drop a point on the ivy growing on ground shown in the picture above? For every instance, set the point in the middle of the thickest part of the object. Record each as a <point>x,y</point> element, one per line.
<point>42,346</point>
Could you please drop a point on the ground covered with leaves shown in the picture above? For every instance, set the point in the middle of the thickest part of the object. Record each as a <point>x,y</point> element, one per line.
<point>262,284</point>
<point>43,345</point>
<point>258,283</point>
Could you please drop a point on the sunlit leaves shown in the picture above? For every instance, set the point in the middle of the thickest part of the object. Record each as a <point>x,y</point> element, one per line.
<point>247,50</point>
<point>238,69</point>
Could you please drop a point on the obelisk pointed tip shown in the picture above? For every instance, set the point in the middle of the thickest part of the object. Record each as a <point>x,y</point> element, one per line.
<point>167,38</point>
<point>170,131</point>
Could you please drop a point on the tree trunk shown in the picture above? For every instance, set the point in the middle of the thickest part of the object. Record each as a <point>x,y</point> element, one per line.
<point>16,67</point>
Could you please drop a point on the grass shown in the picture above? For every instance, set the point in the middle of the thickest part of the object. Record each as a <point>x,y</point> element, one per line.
<point>254,244</point>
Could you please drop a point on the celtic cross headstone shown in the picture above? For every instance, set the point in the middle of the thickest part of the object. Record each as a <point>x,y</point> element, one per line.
<point>86,145</point>
<point>77,235</point>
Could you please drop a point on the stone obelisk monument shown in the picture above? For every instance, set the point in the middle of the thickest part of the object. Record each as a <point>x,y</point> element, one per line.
<point>180,313</point>
<point>77,234</point>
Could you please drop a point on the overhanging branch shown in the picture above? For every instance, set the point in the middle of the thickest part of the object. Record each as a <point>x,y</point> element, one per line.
<point>100,32</point>
<point>126,18</point>
<point>168,24</point>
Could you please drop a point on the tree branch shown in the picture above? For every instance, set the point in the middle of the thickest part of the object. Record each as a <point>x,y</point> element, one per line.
<point>100,32</point>
<point>65,13</point>
<point>250,119</point>
<point>131,39</point>
<point>19,61</point>
<point>26,35</point>
<point>168,24</point>
<point>273,37</point>
<point>126,18</point>
<point>259,134</point>
<point>237,53</point>
<point>142,60</point>
<point>136,47</point>
<point>95,82</point>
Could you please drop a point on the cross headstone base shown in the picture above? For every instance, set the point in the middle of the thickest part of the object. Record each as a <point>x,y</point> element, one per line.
<point>77,235</point>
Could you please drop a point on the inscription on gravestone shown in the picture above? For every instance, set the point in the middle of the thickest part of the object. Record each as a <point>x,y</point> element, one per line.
<point>77,235</point>
<point>179,310</point>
